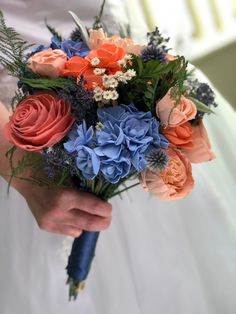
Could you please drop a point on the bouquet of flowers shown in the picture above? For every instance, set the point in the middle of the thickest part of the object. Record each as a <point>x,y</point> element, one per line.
<point>97,110</point>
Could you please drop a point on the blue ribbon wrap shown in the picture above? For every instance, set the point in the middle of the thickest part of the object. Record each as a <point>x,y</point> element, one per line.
<point>81,257</point>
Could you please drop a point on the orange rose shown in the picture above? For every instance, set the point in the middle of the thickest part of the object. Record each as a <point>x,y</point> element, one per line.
<point>108,56</point>
<point>173,116</point>
<point>48,62</point>
<point>180,136</point>
<point>39,121</point>
<point>201,150</point>
<point>78,66</point>
<point>174,182</point>
<point>98,37</point>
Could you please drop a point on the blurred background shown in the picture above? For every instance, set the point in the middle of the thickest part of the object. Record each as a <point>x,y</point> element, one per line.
<point>202,30</point>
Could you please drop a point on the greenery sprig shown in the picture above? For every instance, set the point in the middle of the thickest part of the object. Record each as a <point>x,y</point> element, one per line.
<point>153,80</point>
<point>12,49</point>
<point>46,83</point>
<point>53,31</point>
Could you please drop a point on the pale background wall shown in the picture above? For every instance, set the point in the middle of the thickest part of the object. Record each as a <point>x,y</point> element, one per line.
<point>202,30</point>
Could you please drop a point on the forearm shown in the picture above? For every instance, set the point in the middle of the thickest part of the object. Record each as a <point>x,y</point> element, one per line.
<point>5,145</point>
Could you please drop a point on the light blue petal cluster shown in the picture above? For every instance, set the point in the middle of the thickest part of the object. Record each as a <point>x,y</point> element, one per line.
<point>70,47</point>
<point>79,136</point>
<point>127,134</point>
<point>119,147</point>
<point>88,162</point>
<point>80,141</point>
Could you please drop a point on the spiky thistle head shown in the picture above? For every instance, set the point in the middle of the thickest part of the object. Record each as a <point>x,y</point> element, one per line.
<point>152,52</point>
<point>156,159</point>
<point>156,48</point>
<point>204,93</point>
<point>76,35</point>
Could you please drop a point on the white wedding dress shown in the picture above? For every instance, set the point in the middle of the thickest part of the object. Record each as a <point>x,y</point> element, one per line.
<point>157,257</point>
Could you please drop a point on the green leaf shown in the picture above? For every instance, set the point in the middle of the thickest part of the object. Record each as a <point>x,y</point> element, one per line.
<point>201,106</point>
<point>140,66</point>
<point>46,83</point>
<point>81,27</point>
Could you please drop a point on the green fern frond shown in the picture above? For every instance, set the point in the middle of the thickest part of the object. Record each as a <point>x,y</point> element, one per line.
<point>18,97</point>
<point>12,48</point>
<point>53,31</point>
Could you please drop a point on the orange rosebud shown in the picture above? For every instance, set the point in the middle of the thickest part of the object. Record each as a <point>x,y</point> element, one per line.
<point>172,183</point>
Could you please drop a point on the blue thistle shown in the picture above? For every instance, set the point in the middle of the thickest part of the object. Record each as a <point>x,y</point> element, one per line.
<point>76,35</point>
<point>203,93</point>
<point>156,48</point>
<point>152,52</point>
<point>156,160</point>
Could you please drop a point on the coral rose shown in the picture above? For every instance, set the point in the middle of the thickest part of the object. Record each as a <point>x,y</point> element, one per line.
<point>174,182</point>
<point>180,136</point>
<point>48,62</point>
<point>171,114</point>
<point>201,150</point>
<point>39,121</point>
<point>98,37</point>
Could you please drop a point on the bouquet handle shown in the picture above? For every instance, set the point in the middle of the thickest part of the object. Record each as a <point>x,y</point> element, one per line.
<point>80,260</point>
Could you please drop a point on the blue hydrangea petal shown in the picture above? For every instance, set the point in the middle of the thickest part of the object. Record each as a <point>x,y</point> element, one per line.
<point>88,162</point>
<point>115,171</point>
<point>164,143</point>
<point>110,151</point>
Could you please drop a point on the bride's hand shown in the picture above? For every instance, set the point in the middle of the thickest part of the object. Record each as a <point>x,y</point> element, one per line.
<point>64,211</point>
<point>67,211</point>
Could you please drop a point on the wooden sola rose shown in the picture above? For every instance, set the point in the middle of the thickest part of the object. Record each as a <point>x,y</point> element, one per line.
<point>173,182</point>
<point>39,121</point>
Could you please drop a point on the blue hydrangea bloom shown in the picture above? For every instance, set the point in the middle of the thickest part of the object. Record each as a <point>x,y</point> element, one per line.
<point>138,158</point>
<point>159,140</point>
<point>88,162</point>
<point>70,47</point>
<point>114,171</point>
<point>110,141</point>
<point>137,131</point>
<point>79,136</point>
<point>115,114</point>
